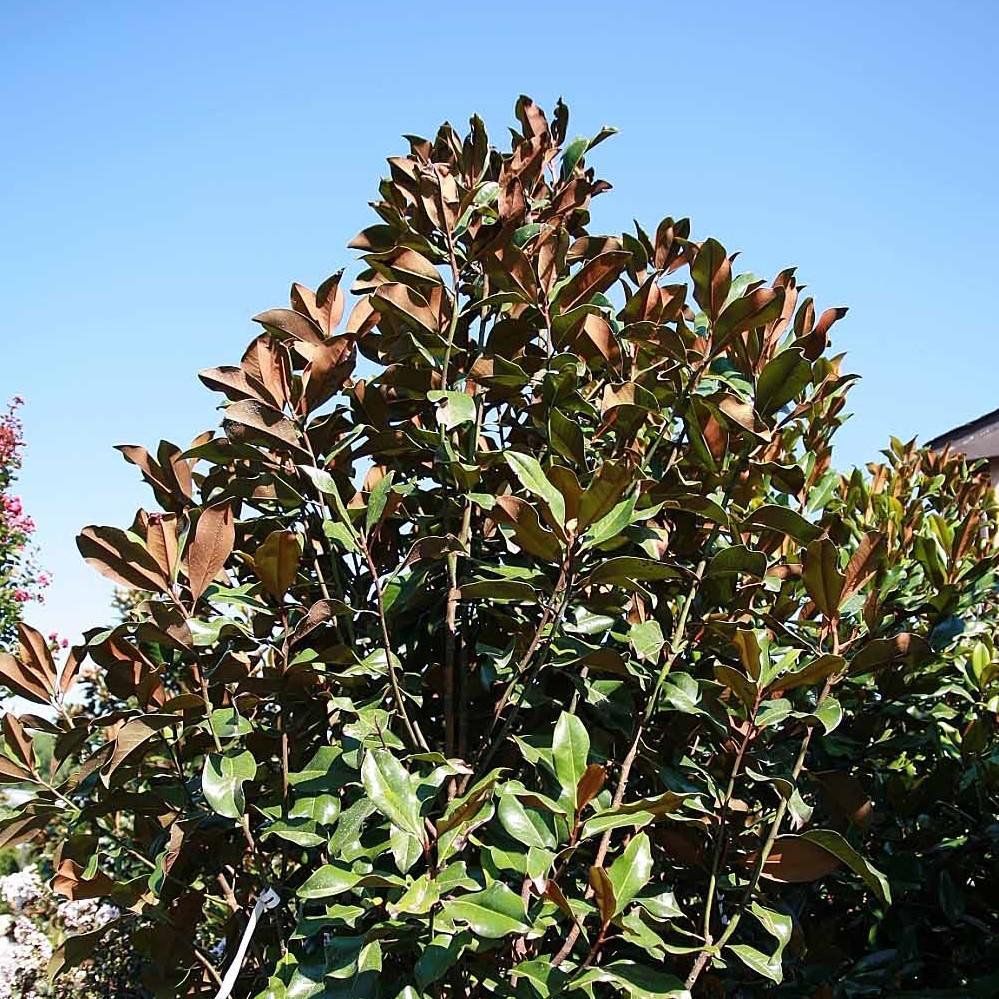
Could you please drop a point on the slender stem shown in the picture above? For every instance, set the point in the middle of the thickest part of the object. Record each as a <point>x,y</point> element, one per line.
<point>244,819</point>
<point>705,958</point>
<point>455,280</point>
<point>561,593</point>
<point>722,839</point>
<point>676,646</point>
<point>282,728</point>
<point>228,893</point>
<point>526,674</point>
<point>324,511</point>
<point>203,960</point>
<point>451,608</point>
<point>688,391</point>
<point>416,739</point>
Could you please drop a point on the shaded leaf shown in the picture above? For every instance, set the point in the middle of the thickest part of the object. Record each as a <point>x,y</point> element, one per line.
<point>276,561</point>
<point>822,577</point>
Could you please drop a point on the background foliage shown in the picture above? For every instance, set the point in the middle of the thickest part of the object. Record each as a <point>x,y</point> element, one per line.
<point>20,578</point>
<point>518,632</point>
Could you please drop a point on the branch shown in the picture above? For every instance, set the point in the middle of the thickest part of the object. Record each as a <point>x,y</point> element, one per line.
<point>415,736</point>
<point>563,587</point>
<point>705,958</point>
<point>722,840</point>
<point>676,647</point>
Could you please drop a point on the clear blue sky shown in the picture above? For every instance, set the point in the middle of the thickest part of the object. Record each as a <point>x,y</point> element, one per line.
<point>168,169</point>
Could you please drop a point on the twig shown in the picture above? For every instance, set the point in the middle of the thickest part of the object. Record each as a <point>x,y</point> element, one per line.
<point>722,839</point>
<point>415,736</point>
<point>705,958</point>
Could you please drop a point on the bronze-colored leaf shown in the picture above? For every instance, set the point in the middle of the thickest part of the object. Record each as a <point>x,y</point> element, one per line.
<point>603,889</point>
<point>161,540</point>
<point>822,577</point>
<point>251,419</point>
<point>323,306</point>
<point>757,308</point>
<point>528,530</point>
<point>814,342</point>
<point>267,363</point>
<point>17,741</point>
<point>71,882</point>
<point>214,537</point>
<point>596,275</point>
<point>712,275</point>
<point>23,680</point>
<point>276,562</point>
<point>319,613</point>
<point>554,894</point>
<point>329,365</point>
<point>881,652</point>
<point>597,339</point>
<point>863,564</point>
<point>406,304</point>
<point>291,323</point>
<point>36,654</point>
<point>590,785</point>
<point>71,669</point>
<point>13,773</point>
<point>796,860</point>
<point>121,558</point>
<point>169,492</point>
<point>15,830</point>
<point>408,262</point>
<point>130,737</point>
<point>845,797</point>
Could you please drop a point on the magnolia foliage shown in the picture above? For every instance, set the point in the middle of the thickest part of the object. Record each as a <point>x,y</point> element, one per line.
<point>518,632</point>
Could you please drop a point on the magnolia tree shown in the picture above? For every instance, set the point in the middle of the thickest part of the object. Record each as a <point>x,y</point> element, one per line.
<point>20,578</point>
<point>516,637</point>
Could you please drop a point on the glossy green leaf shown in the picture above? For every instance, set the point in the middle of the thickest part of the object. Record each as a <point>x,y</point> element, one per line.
<point>834,843</point>
<point>570,752</point>
<point>390,788</point>
<point>781,380</point>
<point>784,520</point>
<point>417,899</point>
<point>222,780</point>
<point>493,913</point>
<point>453,408</point>
<point>637,981</point>
<point>631,871</point>
<point>377,502</point>
<point>526,826</point>
<point>321,808</point>
<point>532,477</point>
<point>328,882</point>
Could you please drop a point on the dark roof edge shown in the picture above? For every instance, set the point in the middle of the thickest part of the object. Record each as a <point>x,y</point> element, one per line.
<point>965,430</point>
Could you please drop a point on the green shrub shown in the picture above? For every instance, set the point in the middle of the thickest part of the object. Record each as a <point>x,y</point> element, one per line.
<point>518,632</point>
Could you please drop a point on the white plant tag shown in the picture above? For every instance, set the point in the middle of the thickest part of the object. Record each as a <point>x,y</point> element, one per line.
<point>267,899</point>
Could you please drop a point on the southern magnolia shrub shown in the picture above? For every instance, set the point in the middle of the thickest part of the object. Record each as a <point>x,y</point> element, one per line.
<point>518,633</point>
